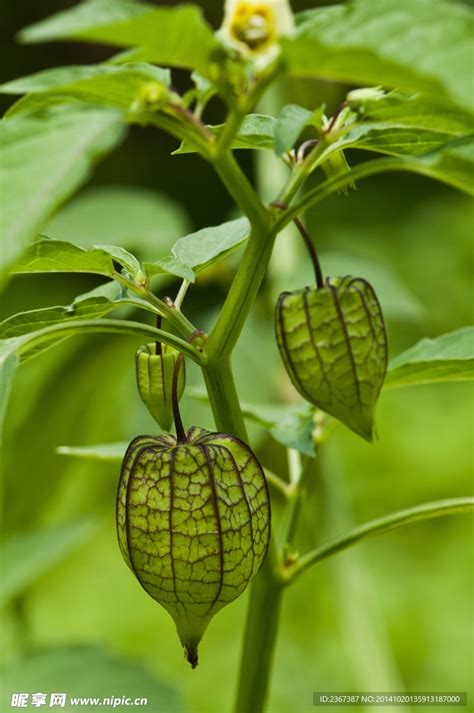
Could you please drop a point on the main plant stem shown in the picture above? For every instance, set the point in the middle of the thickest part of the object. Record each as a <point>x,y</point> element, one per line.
<point>260,637</point>
<point>266,590</point>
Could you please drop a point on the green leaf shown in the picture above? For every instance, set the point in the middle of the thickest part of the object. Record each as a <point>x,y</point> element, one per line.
<point>452,163</point>
<point>295,430</point>
<point>59,256</point>
<point>101,84</point>
<point>449,357</point>
<point>401,125</point>
<point>170,266</point>
<point>257,131</point>
<point>91,305</point>
<point>170,36</point>
<point>290,123</point>
<point>416,111</point>
<point>111,452</point>
<point>205,247</point>
<point>139,219</point>
<point>417,45</point>
<point>27,556</point>
<point>45,158</point>
<point>87,671</point>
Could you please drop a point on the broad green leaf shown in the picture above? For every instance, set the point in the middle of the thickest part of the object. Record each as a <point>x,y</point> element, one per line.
<point>295,430</point>
<point>256,132</point>
<point>416,111</point>
<point>290,123</point>
<point>419,45</point>
<point>87,671</point>
<point>449,357</point>
<point>139,219</point>
<point>27,556</point>
<point>170,36</point>
<point>101,84</point>
<point>91,305</point>
<point>391,140</point>
<point>396,124</point>
<point>170,266</point>
<point>59,256</point>
<point>112,452</point>
<point>45,158</point>
<point>201,249</point>
<point>402,125</point>
<point>452,163</point>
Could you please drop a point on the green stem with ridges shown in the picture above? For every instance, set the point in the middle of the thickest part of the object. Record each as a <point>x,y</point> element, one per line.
<point>261,628</point>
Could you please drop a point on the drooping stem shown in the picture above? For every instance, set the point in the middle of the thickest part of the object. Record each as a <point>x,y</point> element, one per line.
<point>158,347</point>
<point>178,423</point>
<point>318,273</point>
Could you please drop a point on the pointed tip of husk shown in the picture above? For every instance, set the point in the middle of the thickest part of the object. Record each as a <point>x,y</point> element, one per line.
<point>191,655</point>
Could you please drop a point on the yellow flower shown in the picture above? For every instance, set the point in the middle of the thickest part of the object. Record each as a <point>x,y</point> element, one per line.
<point>254,27</point>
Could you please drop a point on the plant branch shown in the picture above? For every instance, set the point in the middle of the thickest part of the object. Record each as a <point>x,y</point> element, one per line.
<point>118,326</point>
<point>336,183</point>
<point>301,172</point>
<point>426,511</point>
<point>292,511</point>
<point>174,315</point>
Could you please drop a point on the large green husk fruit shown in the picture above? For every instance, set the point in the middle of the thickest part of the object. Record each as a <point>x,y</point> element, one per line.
<point>333,343</point>
<point>193,523</point>
<point>154,373</point>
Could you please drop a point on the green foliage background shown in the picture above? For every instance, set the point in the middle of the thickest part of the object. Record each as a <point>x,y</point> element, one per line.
<point>391,615</point>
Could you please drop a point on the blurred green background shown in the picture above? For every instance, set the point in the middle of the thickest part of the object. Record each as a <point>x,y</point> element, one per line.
<point>393,614</point>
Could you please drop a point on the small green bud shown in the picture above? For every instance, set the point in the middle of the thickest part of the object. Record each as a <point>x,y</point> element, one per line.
<point>193,524</point>
<point>357,98</point>
<point>334,346</point>
<point>151,96</point>
<point>154,372</point>
<point>335,165</point>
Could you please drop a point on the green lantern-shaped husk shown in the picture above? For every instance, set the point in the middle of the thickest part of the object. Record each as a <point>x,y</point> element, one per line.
<point>155,364</point>
<point>193,512</point>
<point>333,343</point>
<point>193,522</point>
